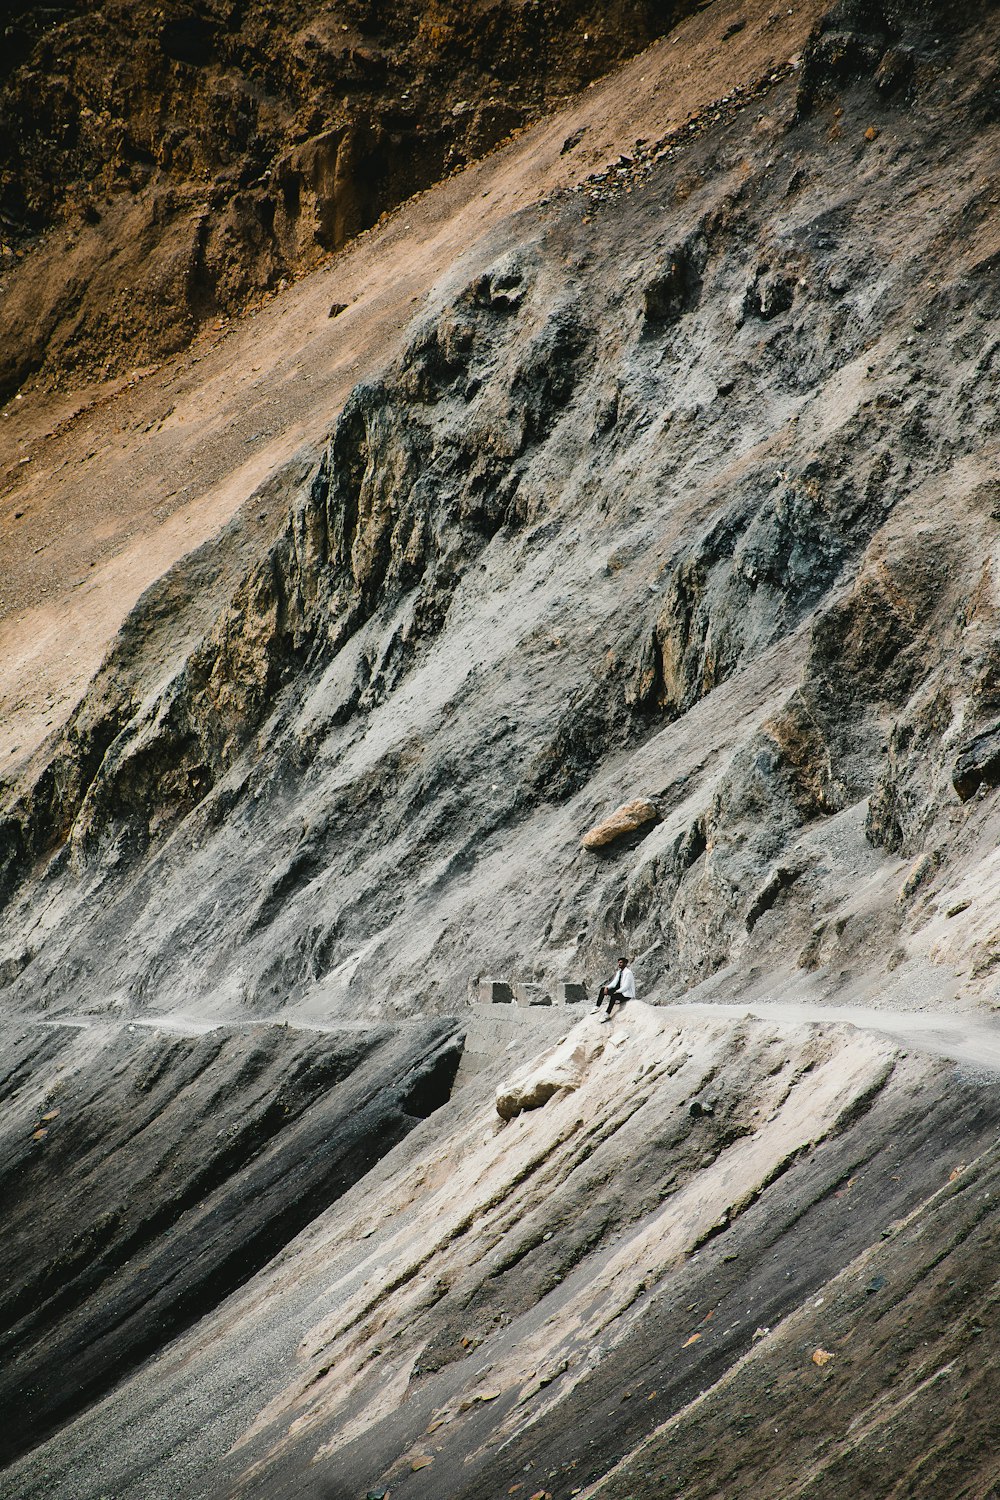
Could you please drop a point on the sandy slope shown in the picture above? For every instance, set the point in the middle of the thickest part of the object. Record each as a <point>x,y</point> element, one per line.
<point>546,1298</point>
<point>123,480</point>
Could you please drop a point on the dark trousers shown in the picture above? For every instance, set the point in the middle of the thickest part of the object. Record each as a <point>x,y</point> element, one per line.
<point>611,996</point>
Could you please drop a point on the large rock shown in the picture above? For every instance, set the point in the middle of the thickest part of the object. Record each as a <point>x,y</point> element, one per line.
<point>979,762</point>
<point>625,820</point>
<point>565,1067</point>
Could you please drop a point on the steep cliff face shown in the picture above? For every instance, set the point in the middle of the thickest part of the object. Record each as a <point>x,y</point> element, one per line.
<point>675,514</point>
<point>681,488</point>
<point>163,165</point>
<point>163,1170</point>
<point>731,1227</point>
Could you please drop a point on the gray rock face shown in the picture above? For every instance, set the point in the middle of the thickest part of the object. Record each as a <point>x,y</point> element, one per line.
<point>164,1170</point>
<point>978,764</point>
<point>551,1295</point>
<point>680,496</point>
<point>545,566</point>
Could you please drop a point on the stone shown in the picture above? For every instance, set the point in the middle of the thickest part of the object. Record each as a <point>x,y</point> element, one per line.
<point>573,994</point>
<point>495,992</point>
<point>531,994</point>
<point>210,1151</point>
<point>564,1068</point>
<point>677,288</point>
<point>979,762</point>
<point>625,820</point>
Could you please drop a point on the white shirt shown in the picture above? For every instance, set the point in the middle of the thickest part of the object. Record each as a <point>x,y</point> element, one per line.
<point>624,983</point>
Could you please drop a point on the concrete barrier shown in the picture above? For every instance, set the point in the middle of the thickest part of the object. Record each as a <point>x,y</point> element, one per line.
<point>525,992</point>
<point>512,1032</point>
<point>531,994</point>
<point>494,992</point>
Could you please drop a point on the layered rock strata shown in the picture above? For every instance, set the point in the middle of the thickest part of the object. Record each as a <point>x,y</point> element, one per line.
<point>146,1174</point>
<point>734,558</point>
<point>680,496</point>
<point>573,1294</point>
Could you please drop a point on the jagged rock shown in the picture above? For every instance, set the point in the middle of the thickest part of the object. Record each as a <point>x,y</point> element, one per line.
<point>536,561</point>
<point>765,898</point>
<point>625,820</point>
<point>977,764</point>
<point>676,289</point>
<point>564,1068</point>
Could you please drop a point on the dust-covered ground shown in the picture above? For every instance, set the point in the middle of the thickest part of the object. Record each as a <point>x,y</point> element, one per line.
<point>163,166</point>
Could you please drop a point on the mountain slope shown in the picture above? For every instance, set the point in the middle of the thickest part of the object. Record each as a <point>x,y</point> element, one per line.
<point>627,516</point>
<point>165,165</point>
<point>676,493</point>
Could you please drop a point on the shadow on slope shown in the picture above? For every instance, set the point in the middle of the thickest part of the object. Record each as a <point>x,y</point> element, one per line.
<point>163,1171</point>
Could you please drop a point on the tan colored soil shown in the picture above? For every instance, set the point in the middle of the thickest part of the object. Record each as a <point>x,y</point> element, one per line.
<point>102,490</point>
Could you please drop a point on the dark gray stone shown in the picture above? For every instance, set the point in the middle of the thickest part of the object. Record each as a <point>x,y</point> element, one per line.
<point>979,762</point>
<point>495,992</point>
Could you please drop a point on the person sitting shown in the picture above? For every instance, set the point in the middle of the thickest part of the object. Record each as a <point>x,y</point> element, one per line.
<point>619,989</point>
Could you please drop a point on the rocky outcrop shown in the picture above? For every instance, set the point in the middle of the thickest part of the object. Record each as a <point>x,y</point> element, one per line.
<point>978,764</point>
<point>565,1067</point>
<point>161,167</point>
<point>552,554</point>
<point>682,483</point>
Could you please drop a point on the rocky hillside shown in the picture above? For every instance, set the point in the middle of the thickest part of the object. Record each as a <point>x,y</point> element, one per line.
<point>677,494</point>
<point>732,1252</point>
<point>162,165</point>
<point>682,488</point>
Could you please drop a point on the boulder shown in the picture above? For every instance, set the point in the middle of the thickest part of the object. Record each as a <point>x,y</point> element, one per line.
<point>628,818</point>
<point>564,1068</point>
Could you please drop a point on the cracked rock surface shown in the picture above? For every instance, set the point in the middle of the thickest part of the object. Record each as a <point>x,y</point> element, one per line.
<point>669,514</point>
<point>550,1296</point>
<point>559,556</point>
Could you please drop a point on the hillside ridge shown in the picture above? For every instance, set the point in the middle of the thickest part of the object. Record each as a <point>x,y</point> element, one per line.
<point>615,571</point>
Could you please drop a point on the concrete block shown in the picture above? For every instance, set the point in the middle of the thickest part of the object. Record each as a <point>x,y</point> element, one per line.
<point>494,992</point>
<point>531,994</point>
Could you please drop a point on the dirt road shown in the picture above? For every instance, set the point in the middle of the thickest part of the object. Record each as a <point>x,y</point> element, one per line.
<point>956,1037</point>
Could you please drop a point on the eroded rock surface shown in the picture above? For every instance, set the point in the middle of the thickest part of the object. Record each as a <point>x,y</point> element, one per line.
<point>681,489</point>
<point>562,1069</point>
<point>428,689</point>
<point>549,1295</point>
<point>161,166</point>
<point>146,1174</point>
